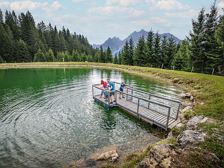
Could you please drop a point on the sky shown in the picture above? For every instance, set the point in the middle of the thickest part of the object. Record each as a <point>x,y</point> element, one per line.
<point>100,19</point>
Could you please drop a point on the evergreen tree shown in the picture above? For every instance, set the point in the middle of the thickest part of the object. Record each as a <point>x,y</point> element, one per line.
<point>220,40</point>
<point>75,55</point>
<point>156,58</point>
<point>12,21</point>
<point>1,60</point>
<point>211,45</point>
<point>115,61</point>
<point>131,52</point>
<point>1,17</point>
<point>197,37</point>
<point>149,48</point>
<point>119,58</point>
<point>125,54</point>
<point>50,56</point>
<point>109,57</point>
<point>102,55</point>
<point>140,54</point>
<point>22,52</point>
<point>181,60</point>
<point>39,56</point>
<point>6,44</point>
<point>164,53</point>
<point>171,51</point>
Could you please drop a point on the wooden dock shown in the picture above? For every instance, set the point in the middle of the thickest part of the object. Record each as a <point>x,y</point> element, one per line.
<point>157,113</point>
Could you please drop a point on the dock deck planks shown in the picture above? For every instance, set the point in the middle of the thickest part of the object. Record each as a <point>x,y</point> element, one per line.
<point>144,113</point>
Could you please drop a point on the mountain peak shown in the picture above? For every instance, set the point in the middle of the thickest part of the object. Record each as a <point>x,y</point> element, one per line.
<point>116,44</point>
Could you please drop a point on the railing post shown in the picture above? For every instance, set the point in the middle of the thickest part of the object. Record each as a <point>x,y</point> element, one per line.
<point>138,108</point>
<point>132,93</point>
<point>168,118</point>
<point>115,96</point>
<point>127,94</point>
<point>108,93</point>
<point>149,101</point>
<point>178,111</point>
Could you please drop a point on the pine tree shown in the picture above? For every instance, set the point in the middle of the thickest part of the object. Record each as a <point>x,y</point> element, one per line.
<point>131,52</point>
<point>1,17</point>
<point>197,37</point>
<point>125,54</point>
<point>181,60</point>
<point>12,21</point>
<point>149,48</point>
<point>163,59</point>
<point>211,51</point>
<point>22,52</point>
<point>219,34</point>
<point>39,56</point>
<point>1,60</point>
<point>109,55</point>
<point>157,52</point>
<point>171,51</point>
<point>6,44</point>
<point>75,55</point>
<point>140,54</point>
<point>102,55</point>
<point>119,58</point>
<point>50,56</point>
<point>115,61</point>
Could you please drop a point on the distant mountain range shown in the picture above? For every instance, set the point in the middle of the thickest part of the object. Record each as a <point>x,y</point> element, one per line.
<point>117,44</point>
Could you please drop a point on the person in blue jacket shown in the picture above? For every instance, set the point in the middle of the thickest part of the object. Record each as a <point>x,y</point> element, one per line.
<point>112,90</point>
<point>121,89</point>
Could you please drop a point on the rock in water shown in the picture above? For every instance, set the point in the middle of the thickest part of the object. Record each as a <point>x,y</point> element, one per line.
<point>190,137</point>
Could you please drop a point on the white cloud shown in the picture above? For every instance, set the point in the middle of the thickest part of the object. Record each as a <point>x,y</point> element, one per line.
<point>120,2</point>
<point>78,1</point>
<point>113,10</point>
<point>221,4</point>
<point>167,4</point>
<point>191,13</point>
<point>29,5</point>
<point>56,5</point>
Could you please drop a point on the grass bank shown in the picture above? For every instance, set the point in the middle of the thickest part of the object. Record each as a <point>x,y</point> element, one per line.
<point>207,89</point>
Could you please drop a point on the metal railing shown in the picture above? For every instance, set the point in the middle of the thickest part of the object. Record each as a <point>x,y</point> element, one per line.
<point>175,104</point>
<point>138,103</point>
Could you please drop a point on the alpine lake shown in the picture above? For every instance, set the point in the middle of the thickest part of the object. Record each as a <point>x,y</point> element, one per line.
<point>48,117</point>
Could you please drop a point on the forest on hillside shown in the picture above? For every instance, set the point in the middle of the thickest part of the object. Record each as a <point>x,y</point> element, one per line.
<point>22,40</point>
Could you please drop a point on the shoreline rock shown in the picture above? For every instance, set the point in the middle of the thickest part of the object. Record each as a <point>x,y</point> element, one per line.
<point>190,137</point>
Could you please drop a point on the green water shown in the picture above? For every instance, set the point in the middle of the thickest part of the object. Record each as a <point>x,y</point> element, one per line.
<point>48,117</point>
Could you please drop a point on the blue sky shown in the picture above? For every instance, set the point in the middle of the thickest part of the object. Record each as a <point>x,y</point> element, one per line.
<point>100,19</point>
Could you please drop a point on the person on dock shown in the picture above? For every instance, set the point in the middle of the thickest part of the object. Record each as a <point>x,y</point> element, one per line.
<point>104,87</point>
<point>112,90</point>
<point>121,89</point>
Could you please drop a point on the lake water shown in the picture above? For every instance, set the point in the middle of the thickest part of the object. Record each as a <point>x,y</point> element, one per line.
<point>48,117</point>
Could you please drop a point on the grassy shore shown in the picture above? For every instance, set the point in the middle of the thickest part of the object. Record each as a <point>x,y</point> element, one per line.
<point>207,89</point>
